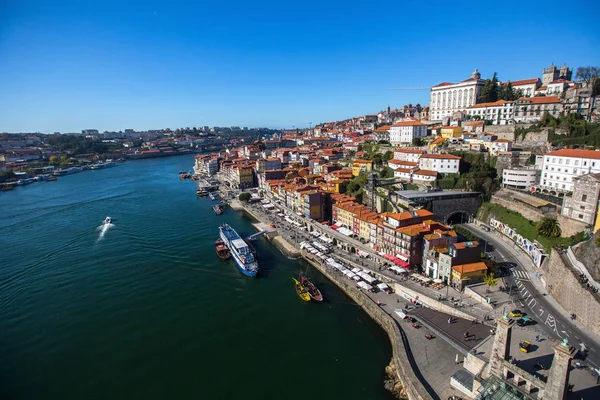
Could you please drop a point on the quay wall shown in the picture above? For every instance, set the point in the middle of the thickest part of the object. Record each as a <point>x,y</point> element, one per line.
<point>401,354</point>
<point>402,358</point>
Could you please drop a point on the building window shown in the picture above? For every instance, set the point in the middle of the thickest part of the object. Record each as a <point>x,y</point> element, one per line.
<point>580,216</point>
<point>584,197</point>
<point>582,207</point>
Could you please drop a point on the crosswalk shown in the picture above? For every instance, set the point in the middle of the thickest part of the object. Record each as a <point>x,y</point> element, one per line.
<point>520,275</point>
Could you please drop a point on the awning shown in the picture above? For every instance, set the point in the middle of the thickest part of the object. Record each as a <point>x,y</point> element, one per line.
<point>356,270</point>
<point>403,258</point>
<point>334,227</point>
<point>325,223</point>
<point>383,286</point>
<point>401,263</point>
<point>438,280</point>
<point>400,313</point>
<point>345,231</point>
<point>356,278</point>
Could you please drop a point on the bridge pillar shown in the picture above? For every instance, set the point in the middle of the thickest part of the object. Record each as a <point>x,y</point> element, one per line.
<point>558,379</point>
<point>500,348</point>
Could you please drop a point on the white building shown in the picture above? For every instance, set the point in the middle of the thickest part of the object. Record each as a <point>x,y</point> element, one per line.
<point>415,175</point>
<point>520,178</point>
<point>442,163</point>
<point>407,130</point>
<point>394,163</point>
<point>500,112</point>
<point>558,87</point>
<point>526,86</point>
<point>499,146</point>
<point>410,155</point>
<point>448,98</point>
<point>561,166</point>
<point>531,109</point>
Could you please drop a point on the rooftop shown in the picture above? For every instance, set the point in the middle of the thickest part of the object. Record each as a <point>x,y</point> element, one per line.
<point>466,268</point>
<point>421,194</point>
<point>575,153</point>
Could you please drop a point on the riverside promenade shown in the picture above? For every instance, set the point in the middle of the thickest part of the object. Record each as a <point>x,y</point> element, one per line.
<point>423,367</point>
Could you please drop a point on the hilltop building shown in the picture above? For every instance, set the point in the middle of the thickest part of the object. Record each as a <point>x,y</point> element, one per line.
<point>447,98</point>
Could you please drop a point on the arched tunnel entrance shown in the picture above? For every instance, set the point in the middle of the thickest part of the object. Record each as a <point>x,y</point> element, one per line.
<point>458,217</point>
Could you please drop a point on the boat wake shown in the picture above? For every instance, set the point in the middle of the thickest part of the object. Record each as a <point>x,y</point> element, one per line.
<point>106,225</point>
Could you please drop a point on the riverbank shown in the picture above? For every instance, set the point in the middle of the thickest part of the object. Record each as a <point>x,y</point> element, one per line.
<point>407,385</point>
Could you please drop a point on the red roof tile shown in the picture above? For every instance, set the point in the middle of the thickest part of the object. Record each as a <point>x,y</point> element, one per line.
<point>575,153</point>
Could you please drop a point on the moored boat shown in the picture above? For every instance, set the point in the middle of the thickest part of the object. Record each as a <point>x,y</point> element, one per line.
<point>52,178</point>
<point>25,181</point>
<point>222,250</point>
<point>301,291</point>
<point>240,251</point>
<point>217,209</point>
<point>311,288</point>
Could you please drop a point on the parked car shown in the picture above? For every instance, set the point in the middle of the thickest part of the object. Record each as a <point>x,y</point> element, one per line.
<point>525,321</point>
<point>516,313</point>
<point>525,346</point>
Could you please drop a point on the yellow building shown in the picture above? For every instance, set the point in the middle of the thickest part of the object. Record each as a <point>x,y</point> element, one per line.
<point>449,132</point>
<point>245,176</point>
<point>436,143</point>
<point>467,274</point>
<point>361,165</point>
<point>597,224</point>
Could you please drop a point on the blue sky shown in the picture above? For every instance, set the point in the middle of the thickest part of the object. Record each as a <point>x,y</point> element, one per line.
<point>111,65</point>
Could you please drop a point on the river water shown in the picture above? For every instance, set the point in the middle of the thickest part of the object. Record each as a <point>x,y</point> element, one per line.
<point>145,309</point>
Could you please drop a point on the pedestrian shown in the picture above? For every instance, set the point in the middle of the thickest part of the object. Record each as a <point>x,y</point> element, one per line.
<point>449,319</point>
<point>456,359</point>
<point>537,338</point>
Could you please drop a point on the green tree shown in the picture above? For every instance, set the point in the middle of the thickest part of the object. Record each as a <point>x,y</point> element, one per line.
<point>489,280</point>
<point>6,175</point>
<point>388,155</point>
<point>377,159</point>
<point>386,172</point>
<point>418,141</point>
<point>507,92</point>
<point>489,91</point>
<point>244,196</point>
<point>549,227</point>
<point>64,161</point>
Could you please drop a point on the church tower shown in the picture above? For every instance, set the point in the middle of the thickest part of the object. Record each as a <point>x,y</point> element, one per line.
<point>476,74</point>
<point>550,75</point>
<point>565,72</point>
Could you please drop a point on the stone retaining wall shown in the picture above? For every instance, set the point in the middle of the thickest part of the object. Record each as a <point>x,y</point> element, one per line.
<point>403,362</point>
<point>563,284</point>
<point>431,303</point>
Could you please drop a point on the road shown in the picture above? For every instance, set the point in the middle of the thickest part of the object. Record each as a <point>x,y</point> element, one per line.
<point>528,297</point>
